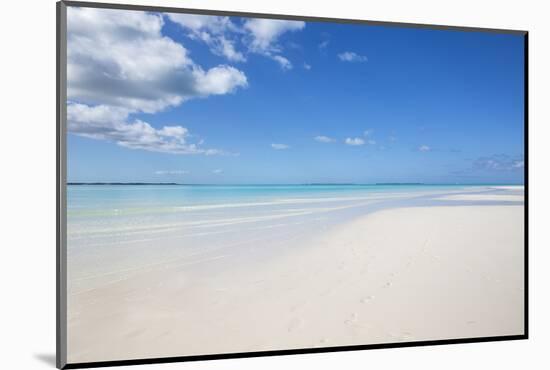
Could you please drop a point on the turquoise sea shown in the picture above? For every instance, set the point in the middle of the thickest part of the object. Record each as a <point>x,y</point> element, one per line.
<point>115,229</point>
<point>82,198</point>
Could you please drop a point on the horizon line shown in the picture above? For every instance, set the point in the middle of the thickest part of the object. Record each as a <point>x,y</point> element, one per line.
<point>287,184</point>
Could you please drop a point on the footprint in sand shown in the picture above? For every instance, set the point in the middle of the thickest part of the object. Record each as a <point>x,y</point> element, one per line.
<point>295,323</point>
<point>367,299</point>
<point>352,319</point>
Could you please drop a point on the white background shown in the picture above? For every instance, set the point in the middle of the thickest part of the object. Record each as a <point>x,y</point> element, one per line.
<point>27,204</point>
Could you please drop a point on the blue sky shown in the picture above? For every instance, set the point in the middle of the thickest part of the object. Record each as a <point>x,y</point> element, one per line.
<point>172,98</point>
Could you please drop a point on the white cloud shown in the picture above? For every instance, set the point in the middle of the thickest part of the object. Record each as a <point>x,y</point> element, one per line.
<point>324,139</point>
<point>283,62</point>
<point>307,66</point>
<point>350,56</point>
<point>219,80</point>
<point>227,48</point>
<point>424,148</point>
<point>200,23</point>
<point>518,164</point>
<point>171,172</point>
<point>222,35</point>
<point>118,64</point>
<point>499,162</point>
<point>368,134</point>
<point>280,146</point>
<point>112,124</point>
<point>324,44</point>
<point>213,31</point>
<point>354,141</point>
<point>265,33</point>
<point>217,171</point>
<point>174,131</point>
<point>121,58</point>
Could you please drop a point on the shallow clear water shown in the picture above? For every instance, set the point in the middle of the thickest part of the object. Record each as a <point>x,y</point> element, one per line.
<point>96,212</point>
<point>82,198</point>
<point>113,230</point>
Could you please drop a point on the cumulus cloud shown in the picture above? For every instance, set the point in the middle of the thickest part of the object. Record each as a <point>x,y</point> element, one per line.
<point>222,35</point>
<point>354,141</point>
<point>213,31</point>
<point>217,171</point>
<point>219,80</point>
<point>112,124</point>
<point>121,58</point>
<point>280,146</point>
<point>307,66</point>
<point>118,64</point>
<point>424,148</point>
<point>324,139</point>
<point>265,32</point>
<point>350,56</point>
<point>209,24</point>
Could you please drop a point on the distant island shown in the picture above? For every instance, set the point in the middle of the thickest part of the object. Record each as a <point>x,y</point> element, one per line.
<point>307,184</point>
<point>123,183</point>
<point>328,183</point>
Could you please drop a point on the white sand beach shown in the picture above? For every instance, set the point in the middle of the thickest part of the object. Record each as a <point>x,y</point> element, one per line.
<point>484,197</point>
<point>398,274</point>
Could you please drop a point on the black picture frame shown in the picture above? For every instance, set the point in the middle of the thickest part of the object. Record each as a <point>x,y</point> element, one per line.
<point>61,217</point>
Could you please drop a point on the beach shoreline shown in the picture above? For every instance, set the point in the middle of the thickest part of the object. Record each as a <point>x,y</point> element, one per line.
<point>401,274</point>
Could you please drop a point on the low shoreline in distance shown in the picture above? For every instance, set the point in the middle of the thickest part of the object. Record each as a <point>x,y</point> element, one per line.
<point>123,183</point>
<point>309,184</point>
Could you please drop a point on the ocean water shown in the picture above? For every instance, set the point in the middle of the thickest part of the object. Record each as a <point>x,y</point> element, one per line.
<point>118,211</point>
<point>114,231</point>
<point>119,198</point>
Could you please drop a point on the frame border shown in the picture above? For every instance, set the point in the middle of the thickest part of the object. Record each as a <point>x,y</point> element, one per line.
<point>61,176</point>
<point>61,172</point>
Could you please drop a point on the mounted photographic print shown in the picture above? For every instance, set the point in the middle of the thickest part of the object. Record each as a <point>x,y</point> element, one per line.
<point>234,184</point>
